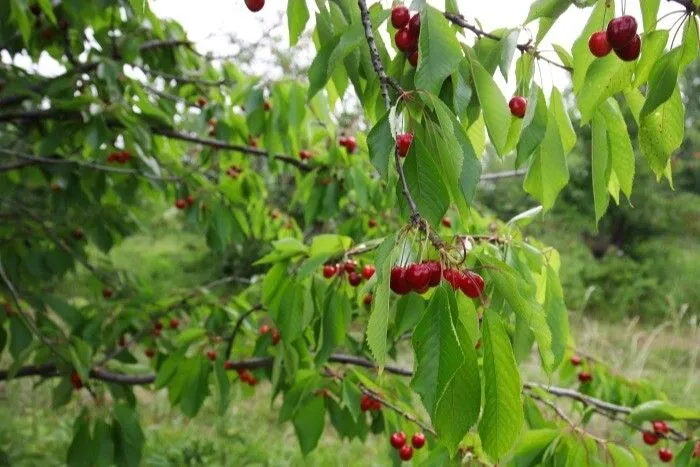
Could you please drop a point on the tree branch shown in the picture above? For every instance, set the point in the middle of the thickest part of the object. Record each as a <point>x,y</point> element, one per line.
<point>237,327</point>
<point>410,417</point>
<point>688,4</point>
<point>503,174</point>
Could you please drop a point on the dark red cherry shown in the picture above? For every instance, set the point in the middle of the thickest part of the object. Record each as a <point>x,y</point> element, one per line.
<point>354,279</point>
<point>400,16</point>
<point>403,143</point>
<point>518,106</point>
<point>418,276</point>
<point>598,44</point>
<point>398,282</point>
<point>650,438</point>
<point>405,41</point>
<point>398,439</point>
<point>472,284</point>
<point>630,52</point>
<point>621,31</point>
<point>414,25</point>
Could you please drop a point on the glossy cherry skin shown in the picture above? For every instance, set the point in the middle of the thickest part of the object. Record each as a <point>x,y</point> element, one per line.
<point>368,271</point>
<point>452,276</point>
<point>329,271</point>
<point>276,336</point>
<point>351,144</point>
<point>660,427</point>
<point>435,273</point>
<point>413,59</point>
<point>398,439</point>
<point>472,284</point>
<point>365,403</point>
<point>446,222</point>
<point>405,41</point>
<point>631,51</point>
<point>585,377</point>
<point>414,25</point>
<point>575,360</point>
<point>598,44</point>
<point>406,453</point>
<point>181,204</point>
<point>255,5</point>
<point>264,329</point>
<point>621,31</point>
<point>398,282</point>
<point>665,455</point>
<point>211,355</point>
<point>418,440</point>
<point>75,380</point>
<point>403,143</point>
<point>400,16</point>
<point>305,154</point>
<point>650,438</point>
<point>418,276</point>
<point>354,279</point>
<point>228,365</point>
<point>518,106</point>
<point>107,293</point>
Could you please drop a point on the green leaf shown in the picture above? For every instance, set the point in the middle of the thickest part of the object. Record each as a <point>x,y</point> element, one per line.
<point>320,72</point>
<point>81,450</point>
<point>600,164</point>
<point>535,126</point>
<point>621,154</point>
<point>297,17</point>
<point>47,9</point>
<point>381,146</point>
<point>691,36</point>
<point>561,116</point>
<point>548,11</point>
<point>508,44</point>
<point>653,45</point>
<point>548,173</point>
<point>308,424</point>
<point>335,313</point>
<point>439,50</point>
<point>650,11</point>
<point>605,77</point>
<point>20,336</point>
<point>621,457</point>
<point>532,446</point>
<point>662,410</point>
<point>557,315</point>
<point>18,11</point>
<point>425,179</point>
<point>564,55</point>
<point>129,438</point>
<point>378,322</point>
<point>494,106</point>
<point>583,58</point>
<point>446,374</point>
<point>329,244</point>
<point>104,443</point>
<point>196,385</point>
<point>502,417</point>
<point>224,385</point>
<point>662,82</point>
<point>66,311</point>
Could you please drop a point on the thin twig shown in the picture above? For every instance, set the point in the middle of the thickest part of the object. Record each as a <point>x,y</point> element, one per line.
<point>237,327</point>
<point>565,418</point>
<point>410,417</point>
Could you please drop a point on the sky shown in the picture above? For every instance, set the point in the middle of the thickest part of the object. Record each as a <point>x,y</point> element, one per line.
<point>211,20</point>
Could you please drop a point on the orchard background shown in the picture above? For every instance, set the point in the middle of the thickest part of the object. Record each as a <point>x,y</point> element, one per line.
<point>371,256</point>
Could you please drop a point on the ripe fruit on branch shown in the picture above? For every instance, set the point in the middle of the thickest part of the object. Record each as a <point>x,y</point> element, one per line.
<point>453,277</point>
<point>413,58</point>
<point>305,154</point>
<point>598,44</point>
<point>211,355</point>
<point>660,427</point>
<point>406,453</point>
<point>446,222</point>
<point>107,293</point>
<point>354,279</point>
<point>228,365</point>
<point>348,142</point>
<point>150,353</point>
<point>275,336</point>
<point>189,200</point>
<point>264,329</point>
<point>350,265</point>
<point>367,299</point>
<point>75,380</point>
<point>418,440</point>
<point>585,377</point>
<point>472,284</point>
<point>400,16</point>
<point>329,270</point>
<point>650,438</point>
<point>665,455</point>
<point>631,51</point>
<point>518,106</point>
<point>398,282</point>
<point>368,271</point>
<point>253,141</point>
<point>414,25</point>
<point>255,5</point>
<point>418,276</point>
<point>201,102</point>
<point>435,273</point>
<point>405,41</point>
<point>174,323</point>
<point>398,439</point>
<point>403,143</point>
<point>621,31</point>
<point>180,203</point>
<point>575,360</point>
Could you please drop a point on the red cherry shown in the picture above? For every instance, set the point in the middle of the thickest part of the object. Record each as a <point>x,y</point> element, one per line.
<point>368,271</point>
<point>621,31</point>
<point>350,265</point>
<point>418,276</point>
<point>276,336</point>
<point>696,450</point>
<point>305,154</point>
<point>174,323</point>
<point>264,329</point>
<point>398,281</point>
<point>575,360</point>
<point>400,16</point>
<point>446,222</point>
<point>376,405</point>
<point>418,440</point>
<point>228,365</point>
<point>367,300</point>
<point>155,333</point>
<point>650,438</point>
<point>398,439</point>
<point>405,41</point>
<point>252,380</point>
<point>660,427</point>
<point>414,25</point>
<point>255,5</point>
<point>329,271</point>
<point>350,144</point>
<point>75,380</point>
<point>150,353</point>
<point>107,293</point>
<point>372,223</point>
<point>413,58</point>
<point>211,355</point>
<point>365,403</point>
<point>665,455</point>
<point>454,278</point>
<point>354,279</point>
<point>158,326</point>
<point>585,377</point>
<point>435,273</point>
<point>630,52</point>
<point>472,284</point>
<point>253,141</point>
<point>406,453</point>
<point>343,140</point>
<point>189,200</point>
<point>181,204</point>
<point>403,143</point>
<point>267,106</point>
<point>201,102</point>
<point>518,105</point>
<point>598,44</point>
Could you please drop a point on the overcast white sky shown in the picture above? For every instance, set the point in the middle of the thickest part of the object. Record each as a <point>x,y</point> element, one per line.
<point>204,18</point>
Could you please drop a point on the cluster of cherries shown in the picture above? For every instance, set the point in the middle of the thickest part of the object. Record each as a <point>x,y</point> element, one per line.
<point>274,333</point>
<point>398,442</point>
<point>406,38</point>
<point>419,277</point>
<point>659,429</point>
<point>348,142</point>
<point>370,403</point>
<point>119,157</point>
<point>403,143</point>
<point>350,266</point>
<point>583,376</point>
<point>620,36</point>
<point>182,203</point>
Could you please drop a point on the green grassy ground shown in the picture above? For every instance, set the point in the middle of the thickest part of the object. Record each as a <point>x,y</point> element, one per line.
<point>34,434</point>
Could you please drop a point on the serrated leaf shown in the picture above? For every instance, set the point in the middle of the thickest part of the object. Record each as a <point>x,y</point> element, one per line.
<point>508,45</point>
<point>564,55</point>
<point>439,50</point>
<point>535,122</point>
<point>662,81</point>
<point>378,323</point>
<point>557,315</point>
<point>297,17</point>
<point>662,410</point>
<point>621,154</point>
<point>426,182</point>
<point>532,446</point>
<point>308,424</point>
<point>502,417</point>
<point>381,145</point>
<point>600,164</point>
<point>582,56</point>
<point>129,438</point>
<point>493,105</point>
<point>561,116</point>
<point>653,45</point>
<point>605,77</point>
